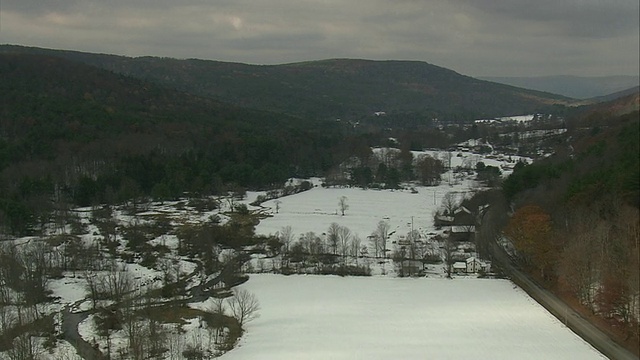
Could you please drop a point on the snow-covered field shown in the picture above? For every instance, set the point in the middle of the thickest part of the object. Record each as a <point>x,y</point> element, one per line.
<point>379,317</point>
<point>316,209</point>
<point>329,317</point>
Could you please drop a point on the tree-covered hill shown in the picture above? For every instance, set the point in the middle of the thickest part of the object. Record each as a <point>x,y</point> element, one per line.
<point>576,219</point>
<point>71,133</point>
<point>328,89</point>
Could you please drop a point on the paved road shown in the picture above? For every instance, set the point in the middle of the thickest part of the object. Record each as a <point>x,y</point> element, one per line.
<point>561,310</point>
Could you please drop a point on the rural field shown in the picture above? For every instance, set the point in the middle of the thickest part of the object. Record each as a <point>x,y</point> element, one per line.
<point>316,209</point>
<point>329,317</point>
<point>385,317</point>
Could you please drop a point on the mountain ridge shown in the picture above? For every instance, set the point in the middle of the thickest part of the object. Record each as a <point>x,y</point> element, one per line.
<point>327,89</point>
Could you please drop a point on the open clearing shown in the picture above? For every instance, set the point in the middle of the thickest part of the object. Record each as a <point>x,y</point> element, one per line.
<point>329,317</point>
<point>316,209</point>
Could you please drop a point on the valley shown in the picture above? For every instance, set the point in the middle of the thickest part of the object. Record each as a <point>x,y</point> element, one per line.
<point>193,209</point>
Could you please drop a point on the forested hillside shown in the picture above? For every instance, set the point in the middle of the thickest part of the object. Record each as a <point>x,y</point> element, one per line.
<point>341,88</point>
<point>576,219</point>
<point>75,134</point>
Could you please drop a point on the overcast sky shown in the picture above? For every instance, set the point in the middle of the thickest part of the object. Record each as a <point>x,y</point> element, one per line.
<point>473,37</point>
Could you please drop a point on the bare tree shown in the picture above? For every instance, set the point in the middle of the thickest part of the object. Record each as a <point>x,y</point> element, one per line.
<point>118,282</point>
<point>332,237</point>
<point>342,204</point>
<point>244,306</point>
<point>447,157</point>
<point>356,247</point>
<point>24,348</point>
<point>315,245</point>
<point>134,329</point>
<point>380,237</point>
<point>398,255</point>
<point>175,344</point>
<point>413,237</point>
<point>7,317</point>
<point>94,287</point>
<point>286,237</point>
<point>217,307</point>
<point>35,272</point>
<point>344,241</point>
<point>450,203</point>
<point>448,255</point>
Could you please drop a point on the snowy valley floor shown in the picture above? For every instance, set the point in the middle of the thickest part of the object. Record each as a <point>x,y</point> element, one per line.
<point>329,317</point>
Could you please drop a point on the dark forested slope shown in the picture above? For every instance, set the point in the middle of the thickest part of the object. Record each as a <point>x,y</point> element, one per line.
<point>328,89</point>
<point>73,133</point>
<point>576,219</point>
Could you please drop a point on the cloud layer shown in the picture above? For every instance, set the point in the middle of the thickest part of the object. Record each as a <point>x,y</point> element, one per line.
<point>475,37</point>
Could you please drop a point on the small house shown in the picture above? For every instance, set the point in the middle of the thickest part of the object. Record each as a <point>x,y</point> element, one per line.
<point>462,232</point>
<point>459,267</point>
<point>475,265</point>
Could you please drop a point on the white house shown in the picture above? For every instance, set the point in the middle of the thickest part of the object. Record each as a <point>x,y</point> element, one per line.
<point>459,267</point>
<point>474,265</point>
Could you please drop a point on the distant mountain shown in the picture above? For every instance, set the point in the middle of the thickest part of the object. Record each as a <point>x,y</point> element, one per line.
<point>615,105</point>
<point>328,89</point>
<point>617,94</point>
<point>572,86</point>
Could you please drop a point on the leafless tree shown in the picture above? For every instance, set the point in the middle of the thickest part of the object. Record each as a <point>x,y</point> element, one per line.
<point>450,203</point>
<point>7,317</point>
<point>344,241</point>
<point>356,247</point>
<point>94,287</point>
<point>379,239</point>
<point>448,255</point>
<point>332,237</point>
<point>217,307</point>
<point>579,266</point>
<point>286,237</point>
<point>24,348</point>
<point>315,245</point>
<point>342,204</point>
<point>118,281</point>
<point>413,237</point>
<point>399,254</point>
<point>175,344</point>
<point>244,306</point>
<point>35,272</point>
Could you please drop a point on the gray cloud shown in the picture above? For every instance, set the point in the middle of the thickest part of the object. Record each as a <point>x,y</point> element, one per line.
<point>475,37</point>
<point>581,18</point>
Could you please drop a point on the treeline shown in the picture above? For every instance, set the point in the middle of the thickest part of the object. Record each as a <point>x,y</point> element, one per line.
<point>576,223</point>
<point>603,163</point>
<point>385,168</point>
<point>71,134</point>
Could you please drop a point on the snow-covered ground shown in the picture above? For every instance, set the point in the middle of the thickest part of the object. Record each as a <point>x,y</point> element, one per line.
<point>316,209</point>
<point>516,118</point>
<point>329,317</point>
<point>312,317</point>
